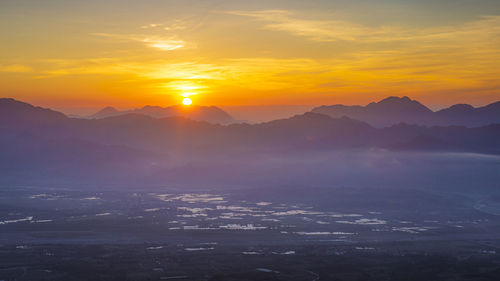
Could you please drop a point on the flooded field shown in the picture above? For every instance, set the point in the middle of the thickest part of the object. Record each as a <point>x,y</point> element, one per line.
<point>58,215</point>
<point>289,233</point>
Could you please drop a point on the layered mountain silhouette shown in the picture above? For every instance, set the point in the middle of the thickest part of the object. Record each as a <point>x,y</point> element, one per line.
<point>42,142</point>
<point>394,110</point>
<point>211,114</point>
<point>20,112</point>
<point>307,131</point>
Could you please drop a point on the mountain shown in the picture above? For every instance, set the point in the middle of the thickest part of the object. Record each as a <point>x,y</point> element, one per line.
<point>13,112</point>
<point>307,132</point>
<point>386,112</point>
<point>40,143</point>
<point>402,105</point>
<point>394,110</point>
<point>105,112</point>
<point>467,115</point>
<point>211,114</point>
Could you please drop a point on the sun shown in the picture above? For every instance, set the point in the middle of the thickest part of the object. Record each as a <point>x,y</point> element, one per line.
<point>187,101</point>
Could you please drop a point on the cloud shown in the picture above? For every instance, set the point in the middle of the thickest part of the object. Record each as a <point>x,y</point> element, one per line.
<point>337,30</point>
<point>177,24</point>
<point>164,45</point>
<point>316,30</point>
<point>151,25</point>
<point>157,42</point>
<point>15,68</point>
<point>464,58</point>
<point>393,71</point>
<point>197,76</point>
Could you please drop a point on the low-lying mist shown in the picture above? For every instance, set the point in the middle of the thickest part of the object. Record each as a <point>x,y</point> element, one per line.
<point>356,168</point>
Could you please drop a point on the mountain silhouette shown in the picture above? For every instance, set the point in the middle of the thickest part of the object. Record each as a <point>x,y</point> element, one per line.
<point>211,114</point>
<point>399,105</point>
<point>310,131</point>
<point>42,143</point>
<point>108,111</point>
<point>394,110</point>
<point>13,112</point>
<point>467,115</point>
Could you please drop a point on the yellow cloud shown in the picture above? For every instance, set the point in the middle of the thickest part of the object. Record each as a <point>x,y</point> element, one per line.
<point>337,30</point>
<point>394,72</point>
<point>462,58</point>
<point>15,68</point>
<point>158,42</point>
<point>317,30</point>
<point>164,45</point>
<point>177,24</point>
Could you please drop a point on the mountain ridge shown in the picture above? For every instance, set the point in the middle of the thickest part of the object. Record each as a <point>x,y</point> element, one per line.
<point>393,110</point>
<point>38,143</point>
<point>211,114</point>
<point>310,130</point>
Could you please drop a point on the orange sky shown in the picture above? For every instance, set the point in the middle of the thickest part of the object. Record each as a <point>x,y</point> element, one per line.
<point>75,55</point>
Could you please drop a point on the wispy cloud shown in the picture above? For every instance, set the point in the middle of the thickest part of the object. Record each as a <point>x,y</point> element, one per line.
<point>250,73</point>
<point>440,59</point>
<point>177,24</point>
<point>164,45</point>
<point>317,30</point>
<point>152,25</point>
<point>158,42</point>
<point>339,30</point>
<point>409,72</point>
<point>15,68</point>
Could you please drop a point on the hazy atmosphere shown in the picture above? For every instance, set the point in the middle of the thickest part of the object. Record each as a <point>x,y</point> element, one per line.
<point>250,140</point>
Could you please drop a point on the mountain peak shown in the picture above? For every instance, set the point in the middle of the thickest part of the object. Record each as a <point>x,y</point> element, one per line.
<point>393,110</point>
<point>105,112</point>
<point>458,108</point>
<point>210,114</point>
<point>14,110</point>
<point>399,104</point>
<point>462,106</point>
<point>109,109</point>
<point>396,99</point>
<point>313,116</point>
<point>12,103</point>
<point>146,107</point>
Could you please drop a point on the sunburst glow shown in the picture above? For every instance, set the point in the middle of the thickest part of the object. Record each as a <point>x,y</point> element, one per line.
<point>236,54</point>
<point>187,101</point>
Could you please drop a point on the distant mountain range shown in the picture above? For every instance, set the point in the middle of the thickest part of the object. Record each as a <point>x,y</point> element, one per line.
<point>394,110</point>
<point>41,142</point>
<point>209,114</point>
<point>310,131</point>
